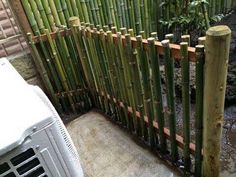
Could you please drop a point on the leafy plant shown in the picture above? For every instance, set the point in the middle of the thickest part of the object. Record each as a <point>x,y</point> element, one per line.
<point>185,15</point>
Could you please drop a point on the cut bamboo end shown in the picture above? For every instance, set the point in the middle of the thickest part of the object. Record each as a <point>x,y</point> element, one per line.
<point>105,28</point>
<point>142,33</point>
<point>74,21</point>
<point>169,36</point>
<point>218,31</point>
<point>131,32</point>
<point>183,43</point>
<point>139,38</point>
<point>114,30</point>
<point>202,40</point>
<point>165,43</point>
<point>123,31</point>
<point>185,38</point>
<point>151,40</point>
<point>95,30</point>
<point>199,46</point>
<point>154,35</point>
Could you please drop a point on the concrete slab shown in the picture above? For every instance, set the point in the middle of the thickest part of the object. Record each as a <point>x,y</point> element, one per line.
<point>107,151</point>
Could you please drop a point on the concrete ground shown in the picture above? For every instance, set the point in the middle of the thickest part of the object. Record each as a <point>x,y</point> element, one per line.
<point>108,151</point>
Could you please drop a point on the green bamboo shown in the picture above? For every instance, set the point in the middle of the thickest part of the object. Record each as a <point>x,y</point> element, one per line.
<point>125,78</point>
<point>186,102</point>
<point>137,15</point>
<point>59,10</point>
<point>116,15</point>
<point>112,21</point>
<point>74,6</point>
<point>157,91</point>
<point>54,12</point>
<point>104,74</point>
<point>120,78</point>
<point>60,70</point>
<point>103,17</point>
<point>98,15</point>
<point>94,14</point>
<point>148,101</point>
<point>43,73</point>
<point>65,10</point>
<point>49,14</point>
<point>199,108</point>
<point>36,15</point>
<point>55,77</point>
<point>122,7</point>
<point>43,15</point>
<point>30,16</point>
<point>69,6</point>
<point>169,73</point>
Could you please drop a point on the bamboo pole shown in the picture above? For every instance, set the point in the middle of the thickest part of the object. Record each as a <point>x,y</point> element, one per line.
<point>169,72</point>
<point>155,65</point>
<point>148,100</point>
<point>200,57</point>
<point>186,102</point>
<point>43,73</point>
<point>201,40</point>
<point>216,64</point>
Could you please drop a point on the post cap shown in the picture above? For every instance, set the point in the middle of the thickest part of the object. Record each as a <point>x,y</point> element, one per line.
<point>220,30</point>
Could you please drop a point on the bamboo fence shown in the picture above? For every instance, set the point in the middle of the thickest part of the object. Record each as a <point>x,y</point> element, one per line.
<point>90,64</point>
<point>140,15</point>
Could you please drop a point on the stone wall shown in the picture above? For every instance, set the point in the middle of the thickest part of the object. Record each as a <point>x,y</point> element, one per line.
<point>23,63</point>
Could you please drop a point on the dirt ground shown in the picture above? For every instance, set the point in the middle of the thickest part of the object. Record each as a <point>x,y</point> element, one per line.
<point>108,151</point>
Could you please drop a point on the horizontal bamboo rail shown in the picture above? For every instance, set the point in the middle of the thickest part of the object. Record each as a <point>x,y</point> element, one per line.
<point>175,49</point>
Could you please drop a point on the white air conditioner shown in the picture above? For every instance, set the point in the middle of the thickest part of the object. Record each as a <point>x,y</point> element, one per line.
<point>33,139</point>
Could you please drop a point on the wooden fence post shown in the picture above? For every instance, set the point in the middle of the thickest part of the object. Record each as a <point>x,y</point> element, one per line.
<point>216,64</point>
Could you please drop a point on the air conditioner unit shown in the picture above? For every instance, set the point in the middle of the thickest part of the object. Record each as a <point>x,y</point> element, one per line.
<point>33,139</point>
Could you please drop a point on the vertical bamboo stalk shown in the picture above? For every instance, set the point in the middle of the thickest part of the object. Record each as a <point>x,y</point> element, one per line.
<point>155,65</point>
<point>60,11</point>
<point>74,8</point>
<point>126,100</point>
<point>201,40</point>
<point>43,73</point>
<point>30,16</point>
<point>185,102</point>
<point>37,16</point>
<point>84,10</point>
<point>144,64</point>
<point>200,56</point>
<point>43,15</point>
<point>216,64</point>
<point>169,71</point>
<point>54,12</point>
<point>49,14</point>
<point>129,74</point>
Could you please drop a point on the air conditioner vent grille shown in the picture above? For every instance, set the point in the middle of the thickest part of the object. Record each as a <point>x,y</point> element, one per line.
<point>4,167</point>
<point>10,175</point>
<point>67,141</point>
<point>24,164</point>
<point>28,166</point>
<point>22,157</point>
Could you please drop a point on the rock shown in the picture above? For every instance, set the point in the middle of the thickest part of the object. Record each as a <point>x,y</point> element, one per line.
<point>24,65</point>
